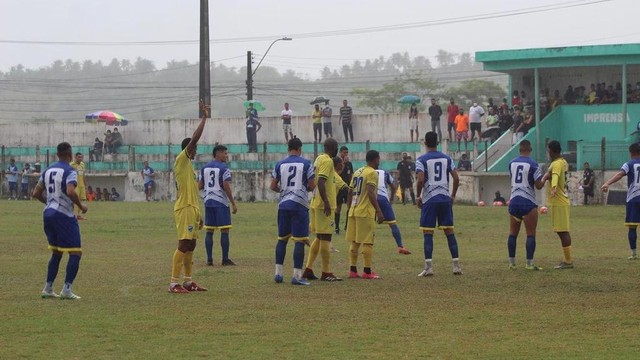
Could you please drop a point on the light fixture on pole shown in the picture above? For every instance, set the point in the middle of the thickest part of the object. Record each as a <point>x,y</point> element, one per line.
<point>250,73</point>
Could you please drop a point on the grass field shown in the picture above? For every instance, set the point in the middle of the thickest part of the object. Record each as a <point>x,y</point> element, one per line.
<point>489,312</point>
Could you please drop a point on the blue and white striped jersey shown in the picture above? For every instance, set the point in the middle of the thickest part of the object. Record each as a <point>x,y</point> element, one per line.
<point>632,169</point>
<point>213,175</point>
<point>384,179</point>
<point>293,174</point>
<point>523,172</point>
<point>54,180</point>
<point>436,167</point>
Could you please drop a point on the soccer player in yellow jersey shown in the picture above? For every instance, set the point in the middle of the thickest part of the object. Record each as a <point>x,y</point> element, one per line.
<point>322,208</point>
<point>78,165</point>
<point>187,211</point>
<point>363,211</point>
<point>559,201</point>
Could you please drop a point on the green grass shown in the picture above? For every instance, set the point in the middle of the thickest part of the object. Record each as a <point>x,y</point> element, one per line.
<point>489,312</point>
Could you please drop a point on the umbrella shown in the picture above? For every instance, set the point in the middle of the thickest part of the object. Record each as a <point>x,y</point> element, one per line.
<point>492,133</point>
<point>257,105</point>
<point>319,100</point>
<point>409,99</point>
<point>109,117</point>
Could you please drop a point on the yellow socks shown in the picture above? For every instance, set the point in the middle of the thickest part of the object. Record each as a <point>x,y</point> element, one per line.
<point>325,251</point>
<point>176,269</point>
<point>567,254</point>
<point>353,253</point>
<point>367,254</point>
<point>313,252</point>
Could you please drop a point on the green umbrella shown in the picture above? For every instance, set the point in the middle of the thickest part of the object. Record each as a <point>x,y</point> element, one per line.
<point>256,105</point>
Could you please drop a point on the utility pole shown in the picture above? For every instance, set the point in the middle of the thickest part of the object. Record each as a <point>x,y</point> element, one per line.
<point>249,76</point>
<point>205,64</point>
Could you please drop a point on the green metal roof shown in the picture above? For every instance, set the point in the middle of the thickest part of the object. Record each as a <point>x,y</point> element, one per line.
<point>592,55</point>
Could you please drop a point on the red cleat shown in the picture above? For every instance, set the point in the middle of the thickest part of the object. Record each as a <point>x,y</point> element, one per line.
<point>178,289</point>
<point>372,276</point>
<point>192,286</point>
<point>404,251</point>
<point>354,275</point>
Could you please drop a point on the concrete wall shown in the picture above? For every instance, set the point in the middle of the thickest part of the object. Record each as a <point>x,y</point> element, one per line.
<point>375,127</point>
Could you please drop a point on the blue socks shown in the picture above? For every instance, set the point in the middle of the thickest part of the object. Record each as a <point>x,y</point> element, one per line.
<point>281,251</point>
<point>633,238</point>
<point>453,245</point>
<point>298,254</point>
<point>395,231</point>
<point>52,269</point>
<point>72,268</point>
<point>208,245</point>
<point>511,245</point>
<point>428,246</point>
<point>531,247</point>
<point>224,244</point>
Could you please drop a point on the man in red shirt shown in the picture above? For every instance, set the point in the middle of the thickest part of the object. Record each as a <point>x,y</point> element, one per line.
<point>452,112</point>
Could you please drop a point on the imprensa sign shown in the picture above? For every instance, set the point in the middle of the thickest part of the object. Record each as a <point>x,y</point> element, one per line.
<point>604,117</point>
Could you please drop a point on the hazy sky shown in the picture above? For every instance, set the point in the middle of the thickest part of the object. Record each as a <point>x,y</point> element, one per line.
<point>232,21</point>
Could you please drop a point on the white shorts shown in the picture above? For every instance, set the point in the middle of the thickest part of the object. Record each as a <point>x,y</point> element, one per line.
<point>286,127</point>
<point>413,124</point>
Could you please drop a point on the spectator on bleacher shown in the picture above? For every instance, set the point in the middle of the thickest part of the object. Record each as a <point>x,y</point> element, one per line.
<point>635,93</point>
<point>115,196</point>
<point>569,95</point>
<point>545,106</point>
<point>504,106</point>
<point>435,111</point>
<point>505,120</point>
<point>26,172</point>
<point>117,140</point>
<point>592,97</point>
<point>95,153</point>
<point>462,128</point>
<point>108,142</point>
<point>12,179</point>
<point>580,95</point>
<point>524,99</point>
<point>105,195</point>
<point>529,120</point>
<point>516,100</point>
<point>476,112</point>
<point>600,92</point>
<point>610,96</point>
<point>148,176</point>
<point>98,194</point>
<point>252,126</point>
<point>516,128</point>
<point>327,112</point>
<point>555,100</point>
<point>413,121</point>
<point>452,112</point>
<point>91,195</point>
<point>464,164</point>
<point>492,105</point>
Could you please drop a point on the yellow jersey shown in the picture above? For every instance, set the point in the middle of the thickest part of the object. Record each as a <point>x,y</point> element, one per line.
<point>186,182</point>
<point>80,171</point>
<point>317,117</point>
<point>361,205</point>
<point>558,170</point>
<point>324,169</point>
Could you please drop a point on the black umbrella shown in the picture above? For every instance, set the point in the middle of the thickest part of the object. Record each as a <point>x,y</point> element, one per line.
<point>319,100</point>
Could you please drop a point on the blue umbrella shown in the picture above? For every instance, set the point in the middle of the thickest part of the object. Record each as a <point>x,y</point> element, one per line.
<point>409,99</point>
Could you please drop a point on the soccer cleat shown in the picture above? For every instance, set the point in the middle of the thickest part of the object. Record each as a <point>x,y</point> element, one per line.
<point>49,294</point>
<point>404,251</point>
<point>329,277</point>
<point>371,276</point>
<point>209,263</point>
<point>457,270</point>
<point>633,257</point>
<point>426,272</point>
<point>563,265</point>
<point>353,275</point>
<point>192,286</point>
<point>228,262</point>
<point>309,275</point>
<point>513,267</point>
<point>178,289</point>
<point>303,282</point>
<point>533,267</point>
<point>337,231</point>
<point>334,250</point>
<point>68,295</point>
<point>278,279</point>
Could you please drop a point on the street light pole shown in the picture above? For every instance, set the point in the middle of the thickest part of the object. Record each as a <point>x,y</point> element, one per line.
<point>250,73</point>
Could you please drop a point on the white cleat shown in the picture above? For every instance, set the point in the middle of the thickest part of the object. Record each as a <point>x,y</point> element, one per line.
<point>426,272</point>
<point>457,270</point>
<point>69,296</point>
<point>49,295</point>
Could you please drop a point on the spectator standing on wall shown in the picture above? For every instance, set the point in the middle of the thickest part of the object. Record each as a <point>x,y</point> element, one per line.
<point>286,116</point>
<point>346,118</point>
<point>476,112</point>
<point>316,116</point>
<point>327,112</point>
<point>435,111</point>
<point>452,112</point>
<point>413,121</point>
<point>108,142</point>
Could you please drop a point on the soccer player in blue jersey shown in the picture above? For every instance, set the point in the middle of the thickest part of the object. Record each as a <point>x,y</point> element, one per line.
<point>433,170</point>
<point>384,180</point>
<point>60,223</point>
<point>525,175</point>
<point>215,180</point>
<point>631,170</point>
<point>148,175</point>
<point>12,179</point>
<point>293,177</point>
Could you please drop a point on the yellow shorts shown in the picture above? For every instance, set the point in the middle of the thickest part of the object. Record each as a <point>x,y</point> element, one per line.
<point>82,193</point>
<point>188,223</point>
<point>560,218</point>
<point>361,230</point>
<point>321,224</point>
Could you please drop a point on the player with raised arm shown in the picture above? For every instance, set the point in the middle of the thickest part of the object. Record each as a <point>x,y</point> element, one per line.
<point>385,198</point>
<point>60,224</point>
<point>292,177</point>
<point>187,211</point>
<point>215,180</point>
<point>363,212</point>
<point>525,174</point>
<point>433,170</point>
<point>630,169</point>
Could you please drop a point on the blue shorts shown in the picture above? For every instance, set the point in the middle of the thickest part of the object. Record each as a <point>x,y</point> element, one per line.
<point>63,232</point>
<point>518,211</point>
<point>387,210</point>
<point>148,185</point>
<point>13,186</point>
<point>217,218</point>
<point>440,212</point>
<point>25,187</point>
<point>633,214</point>
<point>294,224</point>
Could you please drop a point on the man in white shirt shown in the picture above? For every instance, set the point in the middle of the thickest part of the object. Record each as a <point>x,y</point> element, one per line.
<point>476,112</point>
<point>286,116</point>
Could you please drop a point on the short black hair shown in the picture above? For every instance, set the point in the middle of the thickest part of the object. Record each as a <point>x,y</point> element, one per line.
<point>337,160</point>
<point>343,148</point>
<point>372,155</point>
<point>78,153</point>
<point>554,147</point>
<point>219,148</point>
<point>431,139</point>
<point>64,148</point>
<point>295,144</point>
<point>185,142</point>
<point>634,149</point>
<point>525,146</point>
